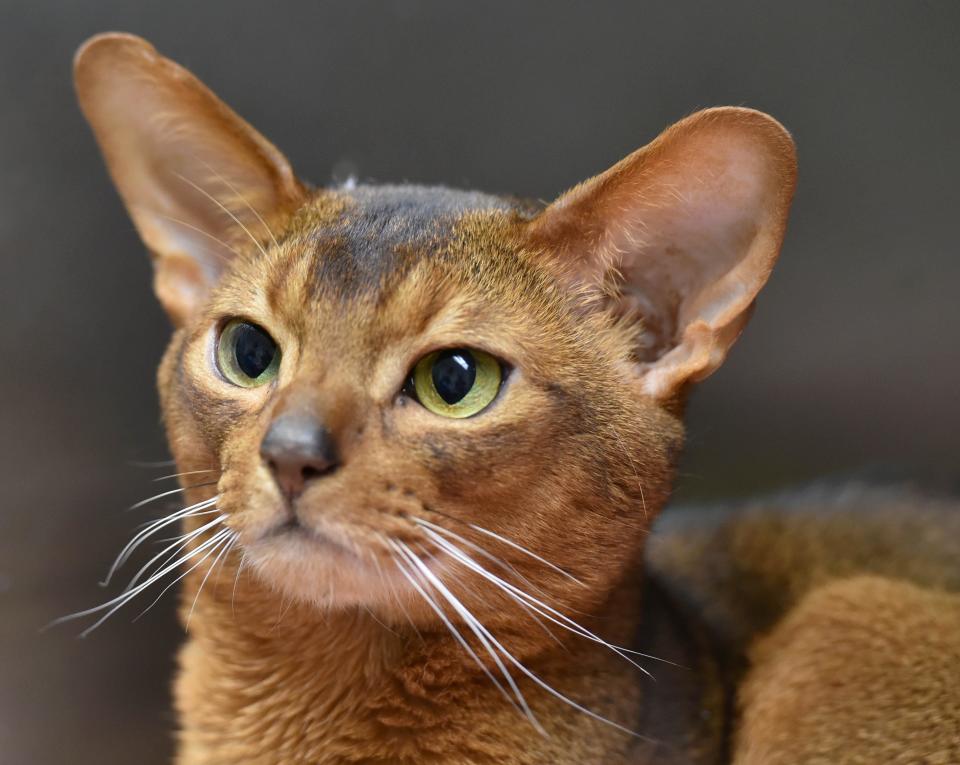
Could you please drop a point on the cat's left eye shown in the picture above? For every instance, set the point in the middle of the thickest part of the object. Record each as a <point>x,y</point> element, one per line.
<point>456,382</point>
<point>246,354</point>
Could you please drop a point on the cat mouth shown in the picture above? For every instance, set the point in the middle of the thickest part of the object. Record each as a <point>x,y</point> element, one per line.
<point>328,563</point>
<point>293,528</point>
<point>287,527</point>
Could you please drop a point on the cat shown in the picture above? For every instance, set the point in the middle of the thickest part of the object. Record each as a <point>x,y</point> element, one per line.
<point>424,435</point>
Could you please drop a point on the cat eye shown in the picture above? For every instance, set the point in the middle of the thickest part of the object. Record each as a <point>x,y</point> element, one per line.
<point>456,382</point>
<point>246,354</point>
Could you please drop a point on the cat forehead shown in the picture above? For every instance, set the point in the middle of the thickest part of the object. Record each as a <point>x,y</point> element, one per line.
<point>361,240</point>
<point>419,204</point>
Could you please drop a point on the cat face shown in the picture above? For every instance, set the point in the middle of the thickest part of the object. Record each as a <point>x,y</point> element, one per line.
<point>362,287</point>
<point>404,389</point>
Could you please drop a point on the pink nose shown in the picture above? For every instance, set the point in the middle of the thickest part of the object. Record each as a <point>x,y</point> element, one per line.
<point>298,449</point>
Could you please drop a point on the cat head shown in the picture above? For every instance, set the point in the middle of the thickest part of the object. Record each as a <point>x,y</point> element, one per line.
<point>396,382</point>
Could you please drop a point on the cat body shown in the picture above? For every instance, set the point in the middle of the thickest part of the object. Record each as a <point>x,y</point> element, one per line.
<point>833,614</point>
<point>435,429</point>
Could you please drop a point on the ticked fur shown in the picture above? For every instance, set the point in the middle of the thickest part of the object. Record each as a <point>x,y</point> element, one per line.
<point>465,590</point>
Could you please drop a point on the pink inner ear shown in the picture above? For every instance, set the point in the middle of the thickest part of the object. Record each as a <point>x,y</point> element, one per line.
<point>684,243</point>
<point>693,224</point>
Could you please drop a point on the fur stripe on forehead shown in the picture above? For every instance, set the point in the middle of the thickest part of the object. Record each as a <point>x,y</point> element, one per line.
<point>365,239</point>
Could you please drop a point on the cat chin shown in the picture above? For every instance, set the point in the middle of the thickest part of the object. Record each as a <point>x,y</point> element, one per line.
<point>324,574</point>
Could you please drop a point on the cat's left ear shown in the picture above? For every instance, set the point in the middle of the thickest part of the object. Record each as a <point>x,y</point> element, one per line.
<point>681,234</point>
<point>198,181</point>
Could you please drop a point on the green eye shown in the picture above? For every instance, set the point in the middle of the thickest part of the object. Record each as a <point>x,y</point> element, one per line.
<point>247,355</point>
<point>458,382</point>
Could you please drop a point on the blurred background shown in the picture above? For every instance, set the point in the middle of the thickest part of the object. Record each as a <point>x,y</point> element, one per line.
<point>851,363</point>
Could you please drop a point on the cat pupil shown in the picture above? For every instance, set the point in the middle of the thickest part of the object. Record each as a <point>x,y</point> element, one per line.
<point>454,373</point>
<point>254,350</point>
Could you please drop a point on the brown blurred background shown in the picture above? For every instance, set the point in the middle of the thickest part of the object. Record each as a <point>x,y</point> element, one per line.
<point>851,364</point>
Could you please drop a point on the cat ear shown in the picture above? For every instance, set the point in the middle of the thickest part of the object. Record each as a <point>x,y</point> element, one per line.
<point>682,234</point>
<point>200,184</point>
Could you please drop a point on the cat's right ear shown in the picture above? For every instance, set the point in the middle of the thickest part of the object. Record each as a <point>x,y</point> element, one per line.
<point>679,237</point>
<point>200,183</point>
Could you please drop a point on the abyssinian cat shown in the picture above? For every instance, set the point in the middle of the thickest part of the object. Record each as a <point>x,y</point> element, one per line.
<point>424,435</point>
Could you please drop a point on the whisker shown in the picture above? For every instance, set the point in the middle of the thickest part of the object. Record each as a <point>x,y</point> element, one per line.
<point>435,607</point>
<point>233,543</point>
<point>504,540</point>
<point>285,605</point>
<point>163,494</point>
<point>500,562</point>
<point>119,601</point>
<point>519,602</point>
<point>218,538</point>
<point>225,548</point>
<point>179,543</point>
<point>393,591</point>
<point>236,581</point>
<point>151,529</point>
<point>379,621</point>
<point>525,551</point>
<point>483,635</point>
<point>549,613</point>
<point>186,472</point>
<point>565,699</point>
<point>373,559</point>
<point>523,669</point>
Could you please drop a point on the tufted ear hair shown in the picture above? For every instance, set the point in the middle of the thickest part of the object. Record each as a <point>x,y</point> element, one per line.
<point>682,234</point>
<point>201,185</point>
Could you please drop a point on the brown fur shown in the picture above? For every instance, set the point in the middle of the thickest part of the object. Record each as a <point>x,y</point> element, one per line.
<point>604,307</point>
<point>863,670</point>
<point>835,612</point>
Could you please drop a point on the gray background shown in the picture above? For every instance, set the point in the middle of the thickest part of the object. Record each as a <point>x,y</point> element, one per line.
<point>851,361</point>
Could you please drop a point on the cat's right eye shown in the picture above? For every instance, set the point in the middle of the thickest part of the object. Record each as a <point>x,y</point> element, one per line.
<point>246,354</point>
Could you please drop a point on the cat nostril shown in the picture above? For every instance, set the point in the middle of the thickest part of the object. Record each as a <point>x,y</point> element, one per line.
<point>308,472</point>
<point>298,449</point>
<point>292,474</point>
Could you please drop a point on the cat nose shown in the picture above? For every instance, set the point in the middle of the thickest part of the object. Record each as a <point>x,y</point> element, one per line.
<point>298,448</point>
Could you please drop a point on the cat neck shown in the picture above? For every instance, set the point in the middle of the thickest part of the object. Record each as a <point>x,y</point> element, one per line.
<point>263,681</point>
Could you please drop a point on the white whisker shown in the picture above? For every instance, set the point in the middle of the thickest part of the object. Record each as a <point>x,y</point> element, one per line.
<point>435,607</point>
<point>531,675</point>
<point>179,543</point>
<point>483,635</point>
<point>499,562</point>
<point>236,581</point>
<point>123,598</point>
<point>525,551</point>
<point>285,605</point>
<point>186,472</point>
<point>216,540</point>
<point>225,549</point>
<point>152,528</point>
<point>393,591</point>
<point>546,611</point>
<point>163,494</point>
